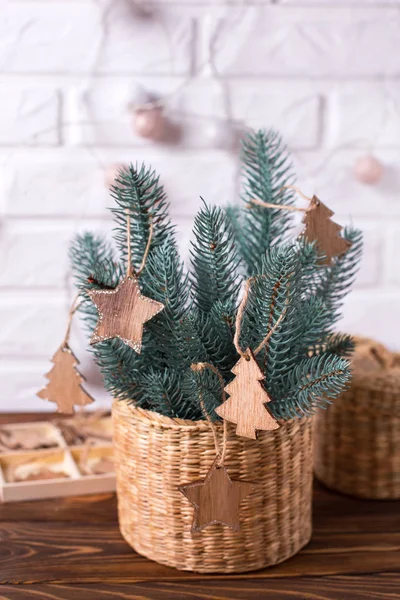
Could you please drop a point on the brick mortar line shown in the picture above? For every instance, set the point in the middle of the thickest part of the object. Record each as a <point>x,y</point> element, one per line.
<point>129,75</point>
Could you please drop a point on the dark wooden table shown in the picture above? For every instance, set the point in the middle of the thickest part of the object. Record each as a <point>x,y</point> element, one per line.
<point>71,549</point>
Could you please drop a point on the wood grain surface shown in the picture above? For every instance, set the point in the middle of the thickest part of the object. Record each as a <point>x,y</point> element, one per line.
<point>123,313</point>
<point>253,414</point>
<point>64,387</point>
<point>71,549</point>
<point>319,228</point>
<point>216,498</point>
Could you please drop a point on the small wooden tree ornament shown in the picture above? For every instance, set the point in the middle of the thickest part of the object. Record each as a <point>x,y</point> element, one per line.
<point>246,405</point>
<point>64,387</point>
<point>65,381</point>
<point>124,311</point>
<point>319,227</point>
<point>216,498</point>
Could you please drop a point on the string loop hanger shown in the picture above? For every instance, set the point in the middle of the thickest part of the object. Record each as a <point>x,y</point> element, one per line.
<point>239,319</point>
<point>313,202</point>
<point>74,307</point>
<point>220,453</point>
<point>130,271</point>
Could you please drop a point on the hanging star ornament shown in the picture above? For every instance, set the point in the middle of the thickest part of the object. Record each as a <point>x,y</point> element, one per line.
<point>122,313</point>
<point>216,499</point>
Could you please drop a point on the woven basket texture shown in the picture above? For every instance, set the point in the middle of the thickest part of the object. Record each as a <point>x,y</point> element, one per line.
<point>156,454</point>
<point>357,439</point>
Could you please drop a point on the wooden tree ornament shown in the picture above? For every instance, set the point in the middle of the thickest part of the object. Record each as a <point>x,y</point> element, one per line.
<point>216,498</point>
<point>64,387</point>
<point>246,406</point>
<point>65,381</point>
<point>319,227</point>
<point>124,311</point>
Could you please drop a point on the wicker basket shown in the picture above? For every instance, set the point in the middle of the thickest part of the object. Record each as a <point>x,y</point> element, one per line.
<point>156,454</point>
<point>357,439</point>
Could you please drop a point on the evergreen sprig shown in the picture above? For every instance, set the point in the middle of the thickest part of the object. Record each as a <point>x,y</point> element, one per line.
<point>215,260</point>
<point>313,383</point>
<point>304,361</point>
<point>215,283</point>
<point>137,192</point>
<point>266,170</point>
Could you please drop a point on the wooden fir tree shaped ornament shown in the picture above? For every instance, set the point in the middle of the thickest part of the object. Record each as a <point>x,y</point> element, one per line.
<point>246,405</point>
<point>319,227</point>
<point>64,387</point>
<point>124,311</point>
<point>216,498</point>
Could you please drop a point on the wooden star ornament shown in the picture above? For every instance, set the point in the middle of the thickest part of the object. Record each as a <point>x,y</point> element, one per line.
<point>122,313</point>
<point>216,499</point>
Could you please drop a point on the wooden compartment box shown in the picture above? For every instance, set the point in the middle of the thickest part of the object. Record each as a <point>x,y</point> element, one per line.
<point>70,468</point>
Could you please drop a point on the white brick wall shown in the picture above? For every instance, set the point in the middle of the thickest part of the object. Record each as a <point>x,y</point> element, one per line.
<point>323,72</point>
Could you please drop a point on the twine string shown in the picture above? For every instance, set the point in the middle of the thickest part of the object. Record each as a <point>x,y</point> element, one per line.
<point>239,319</point>
<point>265,341</point>
<point>283,206</point>
<point>128,243</point>
<point>74,307</point>
<point>146,252</point>
<point>200,366</point>
<point>130,272</point>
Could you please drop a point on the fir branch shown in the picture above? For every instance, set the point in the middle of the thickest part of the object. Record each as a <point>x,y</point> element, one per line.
<point>174,330</point>
<point>206,386</point>
<point>215,260</point>
<point>268,294</point>
<point>138,191</point>
<point>302,362</point>
<point>217,329</point>
<point>334,282</point>
<point>340,344</point>
<point>94,267</point>
<point>266,169</point>
<point>313,383</point>
<point>161,391</point>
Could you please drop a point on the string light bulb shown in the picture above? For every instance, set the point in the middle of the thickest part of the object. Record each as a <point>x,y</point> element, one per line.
<point>149,122</point>
<point>368,170</point>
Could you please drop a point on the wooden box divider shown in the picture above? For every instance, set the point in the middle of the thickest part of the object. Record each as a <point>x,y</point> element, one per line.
<point>61,457</point>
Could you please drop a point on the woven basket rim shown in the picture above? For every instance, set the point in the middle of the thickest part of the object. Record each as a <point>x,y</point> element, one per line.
<point>160,420</point>
<point>385,380</point>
